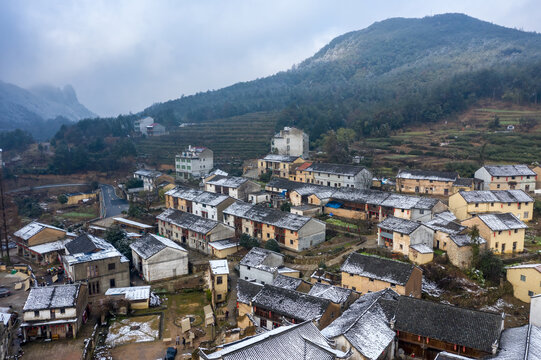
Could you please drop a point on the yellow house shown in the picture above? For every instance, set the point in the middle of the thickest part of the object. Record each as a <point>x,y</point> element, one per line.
<point>246,291</point>
<point>466,204</point>
<point>75,198</point>
<point>399,235</point>
<point>507,177</point>
<point>526,280</point>
<point>218,282</point>
<point>425,182</point>
<point>223,248</point>
<point>278,165</point>
<point>137,296</point>
<point>36,234</point>
<point>300,174</point>
<point>365,274</point>
<point>504,233</point>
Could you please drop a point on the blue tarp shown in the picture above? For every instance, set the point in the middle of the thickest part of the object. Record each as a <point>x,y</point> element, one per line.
<point>334,204</point>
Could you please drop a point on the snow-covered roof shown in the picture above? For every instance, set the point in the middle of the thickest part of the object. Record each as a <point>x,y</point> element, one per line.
<point>428,175</point>
<point>188,221</point>
<point>500,222</point>
<point>219,267</point>
<point>422,248</point>
<point>299,341</point>
<point>492,196</point>
<point>335,169</point>
<point>280,158</point>
<point>150,244</point>
<point>522,343</point>
<point>257,258</point>
<point>30,230</point>
<point>287,282</point>
<point>197,196</point>
<point>148,173</point>
<point>374,267</point>
<point>52,297</point>
<point>385,199</point>
<point>4,317</point>
<point>526,266</point>
<point>509,170</point>
<point>444,355</point>
<point>268,216</point>
<point>223,244</point>
<point>227,181</point>
<point>49,247</point>
<point>132,223</point>
<point>399,225</point>
<point>246,290</point>
<point>133,293</point>
<point>336,294</point>
<point>442,224</point>
<point>465,239</point>
<point>104,250</point>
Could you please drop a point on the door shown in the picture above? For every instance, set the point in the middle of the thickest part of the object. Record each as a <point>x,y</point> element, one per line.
<point>503,248</point>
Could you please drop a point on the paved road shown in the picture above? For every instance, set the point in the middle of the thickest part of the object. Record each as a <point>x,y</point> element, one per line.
<point>113,205</point>
<point>27,188</point>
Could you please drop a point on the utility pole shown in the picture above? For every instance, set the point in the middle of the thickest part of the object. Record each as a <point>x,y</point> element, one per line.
<point>4,214</point>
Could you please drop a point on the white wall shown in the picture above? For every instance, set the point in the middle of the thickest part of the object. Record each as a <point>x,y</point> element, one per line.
<point>311,234</point>
<point>166,264</point>
<point>535,311</point>
<point>260,276</point>
<point>198,208</point>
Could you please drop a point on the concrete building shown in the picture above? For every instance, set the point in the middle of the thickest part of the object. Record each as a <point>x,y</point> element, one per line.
<point>155,129</point>
<point>93,260</point>
<point>466,204</point>
<point>55,312</point>
<point>507,177</point>
<point>158,258</point>
<point>526,280</point>
<point>201,203</point>
<point>504,233</point>
<point>218,280</point>
<point>290,141</point>
<point>194,162</point>
<point>365,274</point>
<point>149,178</point>
<point>192,230</point>
<point>338,175</point>
<point>291,231</point>
<point>236,187</point>
<point>140,125</point>
<point>263,266</point>
<point>278,165</point>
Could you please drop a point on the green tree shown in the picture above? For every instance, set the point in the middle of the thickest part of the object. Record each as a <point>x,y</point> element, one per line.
<point>248,242</point>
<point>117,237</point>
<point>491,266</point>
<point>265,177</point>
<point>62,198</point>
<point>474,236</point>
<point>286,206</point>
<point>272,245</point>
<point>133,183</point>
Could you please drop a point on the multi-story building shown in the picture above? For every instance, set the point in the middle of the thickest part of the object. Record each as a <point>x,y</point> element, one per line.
<point>218,282</point>
<point>36,233</point>
<point>507,177</point>
<point>263,266</point>
<point>290,141</point>
<point>338,175</point>
<point>155,129</point>
<point>194,162</point>
<point>54,312</point>
<point>193,231</point>
<point>504,233</point>
<point>237,187</point>
<point>201,203</point>
<point>149,178</point>
<point>410,238</point>
<point>466,204</point>
<point>140,125</point>
<point>526,280</point>
<point>93,260</point>
<point>278,165</point>
<point>425,182</point>
<point>365,274</point>
<point>291,231</point>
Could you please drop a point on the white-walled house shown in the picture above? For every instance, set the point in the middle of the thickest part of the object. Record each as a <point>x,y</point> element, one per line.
<point>148,177</point>
<point>156,258</point>
<point>290,141</point>
<point>262,266</point>
<point>236,187</point>
<point>339,175</point>
<point>194,162</point>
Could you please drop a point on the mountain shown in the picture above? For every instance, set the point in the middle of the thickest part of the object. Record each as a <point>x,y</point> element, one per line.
<point>394,71</point>
<point>39,110</point>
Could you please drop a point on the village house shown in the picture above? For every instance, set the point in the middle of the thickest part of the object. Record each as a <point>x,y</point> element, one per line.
<point>278,165</point>
<point>218,273</point>
<point>338,295</point>
<point>291,231</point>
<point>80,197</point>
<point>223,248</point>
<point>425,182</point>
<point>191,230</point>
<point>410,238</point>
<point>140,125</point>
<point>137,296</point>
<point>155,129</point>
<point>459,249</point>
<point>259,197</point>
<point>297,341</point>
<point>300,195</point>
<point>131,226</point>
<point>274,306</point>
<point>54,312</point>
<point>37,233</point>
<point>466,204</point>
<point>325,277</point>
<point>364,328</point>
<point>148,177</point>
<point>365,274</point>
<point>263,266</point>
<point>246,291</point>
<point>537,171</point>
<point>158,258</point>
<point>194,162</point>
<point>93,260</point>
<point>299,173</point>
<point>504,233</point>
<point>236,187</point>
<point>444,224</point>
<point>201,203</point>
<point>507,177</point>
<point>339,175</point>
<point>290,141</point>
<point>291,283</point>
<point>526,280</point>
<point>425,328</point>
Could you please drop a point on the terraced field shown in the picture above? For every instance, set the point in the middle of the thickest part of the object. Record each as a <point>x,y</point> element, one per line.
<point>231,139</point>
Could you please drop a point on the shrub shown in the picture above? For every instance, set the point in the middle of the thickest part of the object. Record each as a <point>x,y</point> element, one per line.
<point>272,245</point>
<point>62,198</point>
<point>248,242</point>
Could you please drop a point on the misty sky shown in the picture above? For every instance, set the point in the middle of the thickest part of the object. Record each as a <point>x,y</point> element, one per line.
<point>122,56</point>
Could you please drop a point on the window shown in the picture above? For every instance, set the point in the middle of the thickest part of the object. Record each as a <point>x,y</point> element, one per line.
<point>522,277</point>
<point>268,235</point>
<point>263,323</point>
<point>219,296</point>
<point>219,280</point>
<point>353,288</point>
<point>421,211</point>
<point>526,214</point>
<point>530,293</point>
<point>393,285</point>
<point>62,311</point>
<point>401,247</point>
<point>290,242</point>
<point>112,282</point>
<point>351,275</point>
<point>498,186</point>
<point>476,205</point>
<point>492,204</point>
<point>36,313</point>
<point>516,231</point>
<point>371,280</point>
<point>111,266</point>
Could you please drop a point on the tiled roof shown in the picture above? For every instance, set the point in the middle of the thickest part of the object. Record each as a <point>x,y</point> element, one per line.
<point>29,230</point>
<point>427,175</point>
<point>422,248</point>
<point>83,244</point>
<point>188,221</point>
<point>219,267</point>
<point>227,181</point>
<point>509,170</point>
<point>441,224</point>
<point>522,343</point>
<point>150,244</point>
<point>52,297</point>
<point>287,282</point>
<point>337,169</point>
<point>197,196</point>
<point>280,158</point>
<point>268,216</point>
<point>374,267</point>
<point>490,196</point>
<point>465,239</point>
<point>246,290</point>
<point>500,222</point>
<point>474,329</point>
<point>526,266</point>
<point>402,226</point>
<point>104,250</point>
<point>336,294</point>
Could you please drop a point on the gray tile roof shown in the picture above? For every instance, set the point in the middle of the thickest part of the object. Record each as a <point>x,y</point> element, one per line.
<point>438,223</point>
<point>104,250</point>
<point>509,170</point>
<point>268,216</point>
<point>287,282</point>
<point>374,267</point>
<point>188,221</point>
<point>31,229</point>
<point>427,175</point>
<point>280,158</point>
<point>501,222</point>
<point>52,297</point>
<point>150,244</point>
<point>227,181</point>
<point>82,244</point>
<point>197,196</point>
<point>257,256</point>
<point>471,328</point>
<point>246,290</point>
<point>402,226</point>
<point>490,196</point>
<point>337,169</point>
<point>465,239</point>
<point>290,303</point>
<point>522,343</point>
<point>336,294</point>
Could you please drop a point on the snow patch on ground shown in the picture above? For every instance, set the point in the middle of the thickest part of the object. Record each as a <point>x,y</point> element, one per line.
<point>499,306</point>
<point>120,332</point>
<point>431,288</point>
